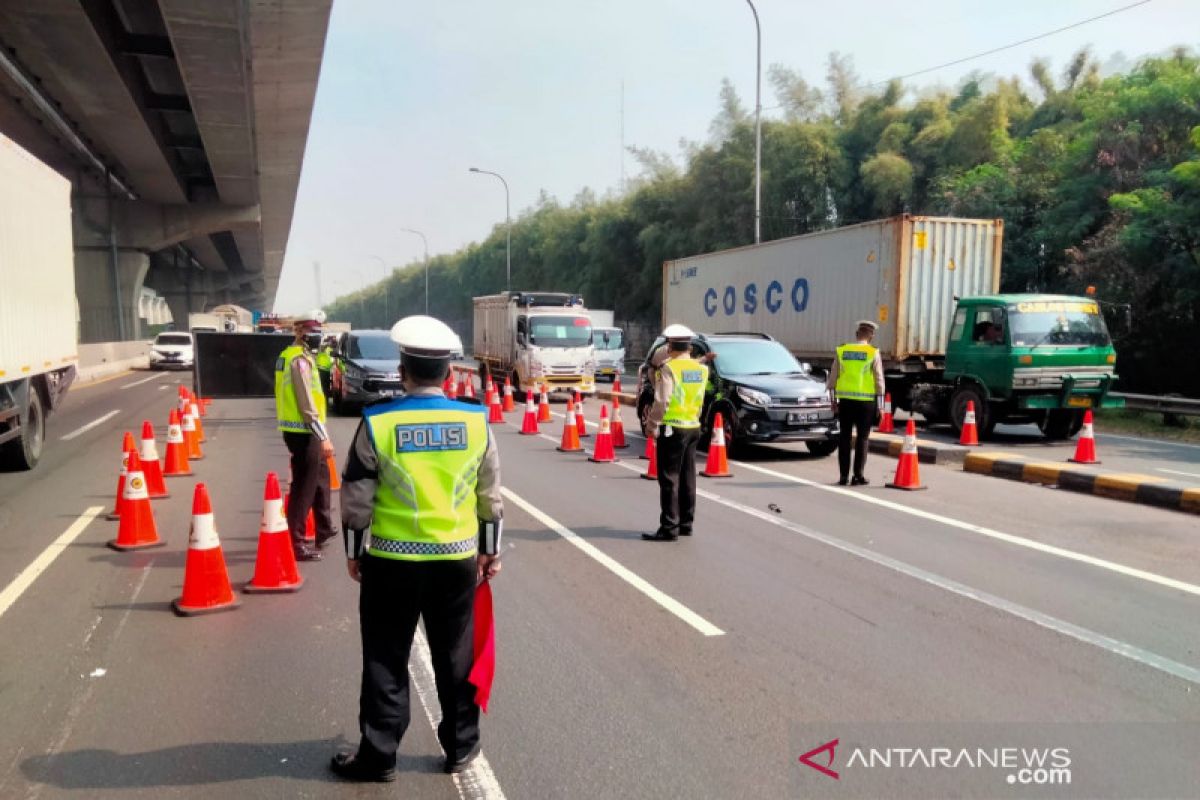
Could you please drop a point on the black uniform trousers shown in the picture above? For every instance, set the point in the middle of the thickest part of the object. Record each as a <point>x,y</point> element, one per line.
<point>677,480</point>
<point>393,596</point>
<point>854,417</point>
<point>310,487</point>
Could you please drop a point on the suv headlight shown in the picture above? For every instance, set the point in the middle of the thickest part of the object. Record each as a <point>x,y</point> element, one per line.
<point>753,397</point>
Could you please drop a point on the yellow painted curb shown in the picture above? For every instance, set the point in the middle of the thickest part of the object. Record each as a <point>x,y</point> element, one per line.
<point>1122,485</point>
<point>1190,500</point>
<point>1043,472</point>
<point>983,463</point>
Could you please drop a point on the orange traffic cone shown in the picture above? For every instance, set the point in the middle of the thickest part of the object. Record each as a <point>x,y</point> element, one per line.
<point>495,412</point>
<point>310,524</point>
<point>618,427</point>
<point>886,423</point>
<point>570,435</point>
<point>616,385</point>
<point>509,405</point>
<point>468,385</point>
<point>544,405</point>
<point>717,465</point>
<point>1085,449</point>
<point>529,425</point>
<point>151,466</point>
<point>137,529</point>
<point>603,453</point>
<point>651,473</point>
<point>275,568</point>
<point>205,581</point>
<point>126,448</point>
<point>907,472</point>
<point>195,409</point>
<point>580,420</point>
<point>189,436</point>
<point>335,480</point>
<point>452,385</point>
<point>648,451</point>
<point>177,457</point>
<point>970,434</point>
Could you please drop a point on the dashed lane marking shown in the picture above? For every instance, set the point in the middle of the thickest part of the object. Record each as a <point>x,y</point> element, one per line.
<point>1178,472</point>
<point>153,377</point>
<point>90,425</point>
<point>28,575</point>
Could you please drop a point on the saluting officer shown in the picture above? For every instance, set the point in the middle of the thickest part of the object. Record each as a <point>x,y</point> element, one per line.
<point>300,411</point>
<point>674,422</point>
<point>856,382</point>
<point>424,475</point>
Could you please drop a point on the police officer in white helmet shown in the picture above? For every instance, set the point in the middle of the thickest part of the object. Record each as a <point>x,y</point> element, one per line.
<point>424,476</point>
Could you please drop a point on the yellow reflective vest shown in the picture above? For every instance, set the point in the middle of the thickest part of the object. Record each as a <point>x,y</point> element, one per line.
<point>687,400</point>
<point>855,379</point>
<point>287,410</point>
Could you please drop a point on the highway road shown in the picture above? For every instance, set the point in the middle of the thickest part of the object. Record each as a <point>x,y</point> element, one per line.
<point>979,612</point>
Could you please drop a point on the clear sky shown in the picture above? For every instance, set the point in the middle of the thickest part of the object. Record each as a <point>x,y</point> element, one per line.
<point>412,94</point>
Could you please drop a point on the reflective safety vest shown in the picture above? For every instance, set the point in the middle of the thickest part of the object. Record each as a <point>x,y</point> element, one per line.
<point>855,380</point>
<point>429,451</point>
<point>287,410</point>
<point>691,379</point>
<point>324,359</point>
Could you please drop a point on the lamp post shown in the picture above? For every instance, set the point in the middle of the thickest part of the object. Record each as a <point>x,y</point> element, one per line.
<point>757,127</point>
<point>507,228</point>
<point>425,242</point>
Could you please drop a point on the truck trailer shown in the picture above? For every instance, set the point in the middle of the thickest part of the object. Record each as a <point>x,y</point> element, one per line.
<point>536,339</point>
<point>946,334</point>
<point>38,351</point>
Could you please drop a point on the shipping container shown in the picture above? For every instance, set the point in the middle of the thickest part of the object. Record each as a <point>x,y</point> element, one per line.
<point>808,291</point>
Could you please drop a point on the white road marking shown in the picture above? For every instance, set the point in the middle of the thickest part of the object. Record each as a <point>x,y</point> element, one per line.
<point>46,558</point>
<point>476,782</point>
<point>90,425</point>
<point>163,388</point>
<point>633,579</point>
<point>1145,440</point>
<point>1179,472</point>
<point>153,377</point>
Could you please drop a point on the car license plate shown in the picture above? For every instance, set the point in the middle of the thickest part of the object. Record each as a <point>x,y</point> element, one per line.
<point>1079,402</point>
<point>796,417</point>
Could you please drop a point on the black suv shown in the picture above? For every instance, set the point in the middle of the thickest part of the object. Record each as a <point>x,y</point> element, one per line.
<point>763,393</point>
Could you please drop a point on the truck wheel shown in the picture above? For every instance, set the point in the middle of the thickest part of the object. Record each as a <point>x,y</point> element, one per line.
<point>518,392</point>
<point>958,410</point>
<point>24,451</point>
<point>821,449</point>
<point>1061,423</point>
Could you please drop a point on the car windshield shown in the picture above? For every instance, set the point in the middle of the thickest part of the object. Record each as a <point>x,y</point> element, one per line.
<point>374,348</point>
<point>615,340</point>
<point>564,331</point>
<point>173,339</point>
<point>753,357</point>
<point>1057,323</point>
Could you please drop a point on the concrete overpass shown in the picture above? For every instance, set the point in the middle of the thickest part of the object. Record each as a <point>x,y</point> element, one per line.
<point>182,126</point>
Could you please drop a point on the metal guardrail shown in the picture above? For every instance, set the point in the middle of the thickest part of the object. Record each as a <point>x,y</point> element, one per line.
<point>1165,404</point>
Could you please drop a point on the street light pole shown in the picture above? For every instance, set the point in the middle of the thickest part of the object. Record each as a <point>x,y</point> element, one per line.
<point>507,228</point>
<point>757,127</point>
<point>425,242</point>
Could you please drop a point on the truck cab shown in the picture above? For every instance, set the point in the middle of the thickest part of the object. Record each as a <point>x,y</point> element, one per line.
<point>1023,358</point>
<point>554,348</point>
<point>610,352</point>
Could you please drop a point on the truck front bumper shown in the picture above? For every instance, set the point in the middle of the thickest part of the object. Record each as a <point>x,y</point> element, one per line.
<point>1070,397</point>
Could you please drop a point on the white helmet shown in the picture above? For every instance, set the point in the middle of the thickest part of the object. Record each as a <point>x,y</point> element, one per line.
<point>677,331</point>
<point>312,320</point>
<point>426,336</point>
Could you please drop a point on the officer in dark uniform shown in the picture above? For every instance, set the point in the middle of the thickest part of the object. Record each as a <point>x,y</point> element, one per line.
<point>424,475</point>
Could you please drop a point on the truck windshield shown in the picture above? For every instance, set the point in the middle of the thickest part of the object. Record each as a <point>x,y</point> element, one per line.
<point>560,331</point>
<point>374,348</point>
<point>173,339</point>
<point>1057,323</point>
<point>615,339</point>
<point>753,358</point>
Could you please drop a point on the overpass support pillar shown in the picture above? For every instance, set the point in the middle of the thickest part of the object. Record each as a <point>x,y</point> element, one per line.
<point>96,292</point>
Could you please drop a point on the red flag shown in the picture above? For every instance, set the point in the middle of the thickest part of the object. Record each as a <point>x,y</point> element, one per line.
<point>484,669</point>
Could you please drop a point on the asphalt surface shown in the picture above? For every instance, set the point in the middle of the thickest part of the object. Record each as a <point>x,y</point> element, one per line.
<point>702,668</point>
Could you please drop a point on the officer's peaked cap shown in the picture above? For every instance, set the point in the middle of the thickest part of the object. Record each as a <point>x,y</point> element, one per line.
<point>425,336</point>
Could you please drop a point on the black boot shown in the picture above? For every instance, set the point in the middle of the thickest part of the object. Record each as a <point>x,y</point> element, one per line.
<point>352,768</point>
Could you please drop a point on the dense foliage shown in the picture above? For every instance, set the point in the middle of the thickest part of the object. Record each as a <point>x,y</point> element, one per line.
<point>1097,180</point>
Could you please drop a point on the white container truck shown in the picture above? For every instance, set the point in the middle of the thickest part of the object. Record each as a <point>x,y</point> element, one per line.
<point>38,350</point>
<point>609,341</point>
<point>536,339</point>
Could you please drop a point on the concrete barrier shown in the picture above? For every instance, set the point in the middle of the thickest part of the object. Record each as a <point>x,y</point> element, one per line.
<point>103,359</point>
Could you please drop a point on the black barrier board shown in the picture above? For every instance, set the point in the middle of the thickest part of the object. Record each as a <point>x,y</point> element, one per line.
<point>237,364</point>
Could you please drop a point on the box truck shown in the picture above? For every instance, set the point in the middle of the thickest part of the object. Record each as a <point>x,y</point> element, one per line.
<point>609,342</point>
<point>536,339</point>
<point>946,334</point>
<point>38,350</point>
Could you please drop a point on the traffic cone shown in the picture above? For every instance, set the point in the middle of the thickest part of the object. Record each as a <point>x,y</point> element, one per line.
<point>580,420</point>
<point>603,453</point>
<point>616,385</point>
<point>203,404</point>
<point>495,412</point>
<point>177,457</point>
<point>970,434</point>
<point>648,452</point>
<point>119,499</point>
<point>151,466</point>
<point>651,473</point>
<point>275,567</point>
<point>335,481</point>
<point>468,385</point>
<point>907,471</point>
<point>508,396</point>
<point>310,524</point>
<point>717,465</point>
<point>205,580</point>
<point>570,435</point>
<point>452,385</point>
<point>446,384</point>
<point>1085,449</point>
<point>529,425</point>
<point>886,423</point>
<point>618,427</point>
<point>137,529</point>
<point>190,438</point>
<point>195,409</point>
<point>544,405</point>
